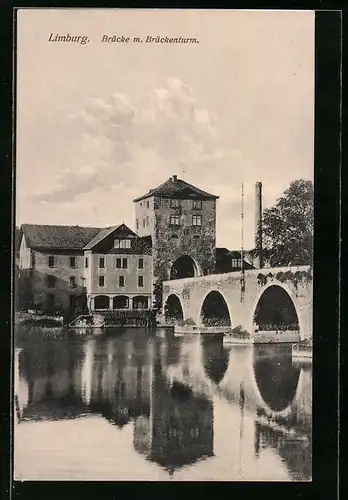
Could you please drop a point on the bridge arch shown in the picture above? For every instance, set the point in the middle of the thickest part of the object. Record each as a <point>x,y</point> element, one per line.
<point>184,266</point>
<point>173,310</point>
<point>275,309</point>
<point>214,310</point>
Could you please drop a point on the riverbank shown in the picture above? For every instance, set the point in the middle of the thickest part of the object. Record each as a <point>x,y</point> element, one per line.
<point>34,319</point>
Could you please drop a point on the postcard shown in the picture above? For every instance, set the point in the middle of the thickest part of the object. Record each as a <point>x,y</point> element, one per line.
<point>164,245</point>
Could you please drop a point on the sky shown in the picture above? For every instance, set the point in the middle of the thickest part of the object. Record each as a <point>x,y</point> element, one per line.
<point>99,124</point>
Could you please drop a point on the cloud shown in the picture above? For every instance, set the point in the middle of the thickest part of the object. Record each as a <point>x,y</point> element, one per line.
<point>118,142</point>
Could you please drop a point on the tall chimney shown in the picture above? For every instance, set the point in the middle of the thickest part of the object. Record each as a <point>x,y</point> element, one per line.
<point>258,224</point>
<point>174,178</point>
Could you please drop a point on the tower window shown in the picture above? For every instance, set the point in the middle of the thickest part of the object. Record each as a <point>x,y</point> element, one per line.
<point>72,261</point>
<point>137,224</point>
<point>121,281</point>
<point>174,220</point>
<point>197,204</point>
<point>140,280</point>
<point>101,262</point>
<point>196,220</point>
<point>175,203</point>
<point>51,261</point>
<point>86,262</point>
<point>101,280</point>
<point>147,204</point>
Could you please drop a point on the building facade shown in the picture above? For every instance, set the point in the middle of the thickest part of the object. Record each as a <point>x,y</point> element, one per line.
<point>117,268</point>
<point>111,266</point>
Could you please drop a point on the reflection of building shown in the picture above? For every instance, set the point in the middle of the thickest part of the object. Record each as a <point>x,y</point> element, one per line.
<point>179,429</point>
<point>51,371</point>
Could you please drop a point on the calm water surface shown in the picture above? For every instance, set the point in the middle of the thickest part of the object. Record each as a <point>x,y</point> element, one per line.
<point>150,406</point>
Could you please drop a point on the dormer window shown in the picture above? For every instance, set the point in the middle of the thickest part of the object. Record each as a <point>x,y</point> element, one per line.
<point>175,203</point>
<point>124,243</point>
<point>197,204</point>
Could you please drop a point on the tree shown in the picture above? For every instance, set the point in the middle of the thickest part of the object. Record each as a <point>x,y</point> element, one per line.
<point>287,227</point>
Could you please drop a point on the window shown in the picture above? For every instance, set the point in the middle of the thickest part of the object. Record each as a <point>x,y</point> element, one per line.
<point>122,243</point>
<point>195,239</point>
<point>121,281</point>
<point>51,261</point>
<point>118,263</point>
<point>147,204</point>
<point>51,281</point>
<point>86,262</point>
<point>72,261</point>
<point>236,262</point>
<point>175,203</point>
<point>144,222</point>
<point>140,280</point>
<point>141,264</point>
<point>197,204</point>
<point>196,220</point>
<point>72,280</point>
<point>124,263</point>
<point>147,221</point>
<point>101,280</point>
<point>174,220</point>
<point>101,262</point>
<point>137,224</point>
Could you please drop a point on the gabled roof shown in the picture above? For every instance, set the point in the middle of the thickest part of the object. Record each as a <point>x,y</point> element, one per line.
<point>103,233</point>
<point>178,188</point>
<point>54,237</point>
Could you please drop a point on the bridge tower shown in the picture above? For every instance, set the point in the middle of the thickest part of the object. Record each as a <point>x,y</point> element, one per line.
<point>180,221</point>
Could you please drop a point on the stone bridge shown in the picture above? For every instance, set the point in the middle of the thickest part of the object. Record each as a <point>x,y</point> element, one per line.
<point>280,292</point>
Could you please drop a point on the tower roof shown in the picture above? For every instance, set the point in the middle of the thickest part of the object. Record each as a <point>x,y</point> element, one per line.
<point>178,188</point>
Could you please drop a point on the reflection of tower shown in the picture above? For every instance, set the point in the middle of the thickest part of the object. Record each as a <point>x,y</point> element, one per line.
<point>179,430</point>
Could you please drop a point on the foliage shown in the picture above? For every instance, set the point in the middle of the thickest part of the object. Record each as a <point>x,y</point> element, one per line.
<point>287,227</point>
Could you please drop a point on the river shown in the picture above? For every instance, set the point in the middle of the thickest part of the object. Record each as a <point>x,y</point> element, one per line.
<point>135,405</point>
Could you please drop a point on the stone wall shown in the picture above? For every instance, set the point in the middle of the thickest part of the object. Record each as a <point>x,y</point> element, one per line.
<point>171,242</point>
<point>296,281</point>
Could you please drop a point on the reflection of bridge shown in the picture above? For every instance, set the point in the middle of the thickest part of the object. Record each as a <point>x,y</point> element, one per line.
<point>267,299</point>
<point>169,390</point>
<point>272,386</point>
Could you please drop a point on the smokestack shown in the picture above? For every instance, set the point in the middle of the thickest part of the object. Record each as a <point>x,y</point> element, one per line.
<point>258,224</point>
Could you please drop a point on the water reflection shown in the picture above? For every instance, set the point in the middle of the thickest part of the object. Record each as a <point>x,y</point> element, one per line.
<point>196,408</point>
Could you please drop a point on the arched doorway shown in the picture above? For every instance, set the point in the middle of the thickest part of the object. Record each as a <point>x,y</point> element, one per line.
<point>120,302</point>
<point>173,310</point>
<point>101,302</point>
<point>275,310</point>
<point>214,310</point>
<point>275,375</point>
<point>183,267</point>
<point>140,302</point>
